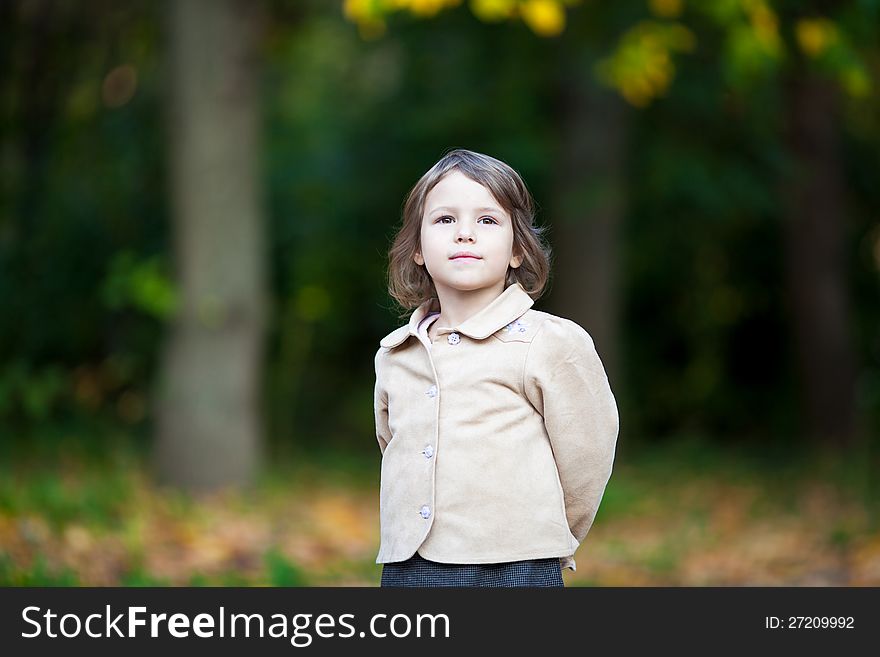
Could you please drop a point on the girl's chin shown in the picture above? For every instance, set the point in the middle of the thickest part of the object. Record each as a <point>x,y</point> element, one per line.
<point>467,284</point>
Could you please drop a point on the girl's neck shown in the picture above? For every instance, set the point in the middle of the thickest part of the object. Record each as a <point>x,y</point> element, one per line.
<point>457,306</point>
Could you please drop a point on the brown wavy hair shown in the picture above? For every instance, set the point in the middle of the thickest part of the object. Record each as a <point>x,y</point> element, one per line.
<point>410,284</point>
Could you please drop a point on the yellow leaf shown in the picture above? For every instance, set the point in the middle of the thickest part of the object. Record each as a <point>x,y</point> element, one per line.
<point>544,17</point>
<point>666,8</point>
<point>856,82</point>
<point>815,35</point>
<point>493,10</point>
<point>430,7</point>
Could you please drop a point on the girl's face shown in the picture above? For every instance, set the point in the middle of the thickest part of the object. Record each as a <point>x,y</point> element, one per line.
<point>461,215</point>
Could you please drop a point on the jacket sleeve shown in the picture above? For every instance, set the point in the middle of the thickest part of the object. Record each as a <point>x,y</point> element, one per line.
<point>565,381</point>
<point>380,406</point>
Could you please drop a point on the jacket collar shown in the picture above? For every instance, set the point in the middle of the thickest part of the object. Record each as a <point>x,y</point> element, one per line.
<point>501,311</point>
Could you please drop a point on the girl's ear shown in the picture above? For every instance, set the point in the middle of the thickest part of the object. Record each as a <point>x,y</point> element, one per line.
<point>516,261</point>
<point>417,257</point>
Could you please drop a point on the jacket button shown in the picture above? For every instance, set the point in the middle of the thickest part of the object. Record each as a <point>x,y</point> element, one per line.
<point>432,391</point>
<point>428,451</point>
<point>425,512</point>
<point>453,338</point>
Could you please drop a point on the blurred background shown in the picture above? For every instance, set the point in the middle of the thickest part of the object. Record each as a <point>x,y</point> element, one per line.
<point>197,198</point>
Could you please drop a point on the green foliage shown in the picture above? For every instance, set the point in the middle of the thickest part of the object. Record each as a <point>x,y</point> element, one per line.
<point>32,392</point>
<point>282,572</point>
<point>137,577</point>
<point>40,574</point>
<point>100,503</point>
<point>144,285</point>
<point>641,66</point>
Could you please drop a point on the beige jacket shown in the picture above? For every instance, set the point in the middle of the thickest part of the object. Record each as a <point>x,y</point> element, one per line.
<point>497,438</point>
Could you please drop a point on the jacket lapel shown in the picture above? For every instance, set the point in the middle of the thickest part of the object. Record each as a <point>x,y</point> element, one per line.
<point>504,309</point>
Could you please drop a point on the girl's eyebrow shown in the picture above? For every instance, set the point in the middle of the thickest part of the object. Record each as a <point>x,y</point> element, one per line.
<point>485,209</point>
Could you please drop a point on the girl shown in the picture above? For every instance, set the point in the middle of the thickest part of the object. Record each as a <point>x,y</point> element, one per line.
<point>496,422</point>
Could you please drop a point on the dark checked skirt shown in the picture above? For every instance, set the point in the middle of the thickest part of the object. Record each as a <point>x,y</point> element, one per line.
<point>419,572</point>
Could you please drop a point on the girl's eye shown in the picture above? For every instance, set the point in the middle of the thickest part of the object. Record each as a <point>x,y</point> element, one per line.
<point>443,218</point>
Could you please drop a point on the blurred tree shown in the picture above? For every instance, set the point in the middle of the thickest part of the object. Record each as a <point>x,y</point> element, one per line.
<point>592,124</point>
<point>209,420</point>
<point>816,225</point>
<point>816,258</point>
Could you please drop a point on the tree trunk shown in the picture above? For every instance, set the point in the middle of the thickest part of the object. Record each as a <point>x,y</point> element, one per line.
<point>816,267</point>
<point>588,207</point>
<point>208,398</point>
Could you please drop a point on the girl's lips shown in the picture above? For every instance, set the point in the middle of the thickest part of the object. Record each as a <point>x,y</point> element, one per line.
<point>466,258</point>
